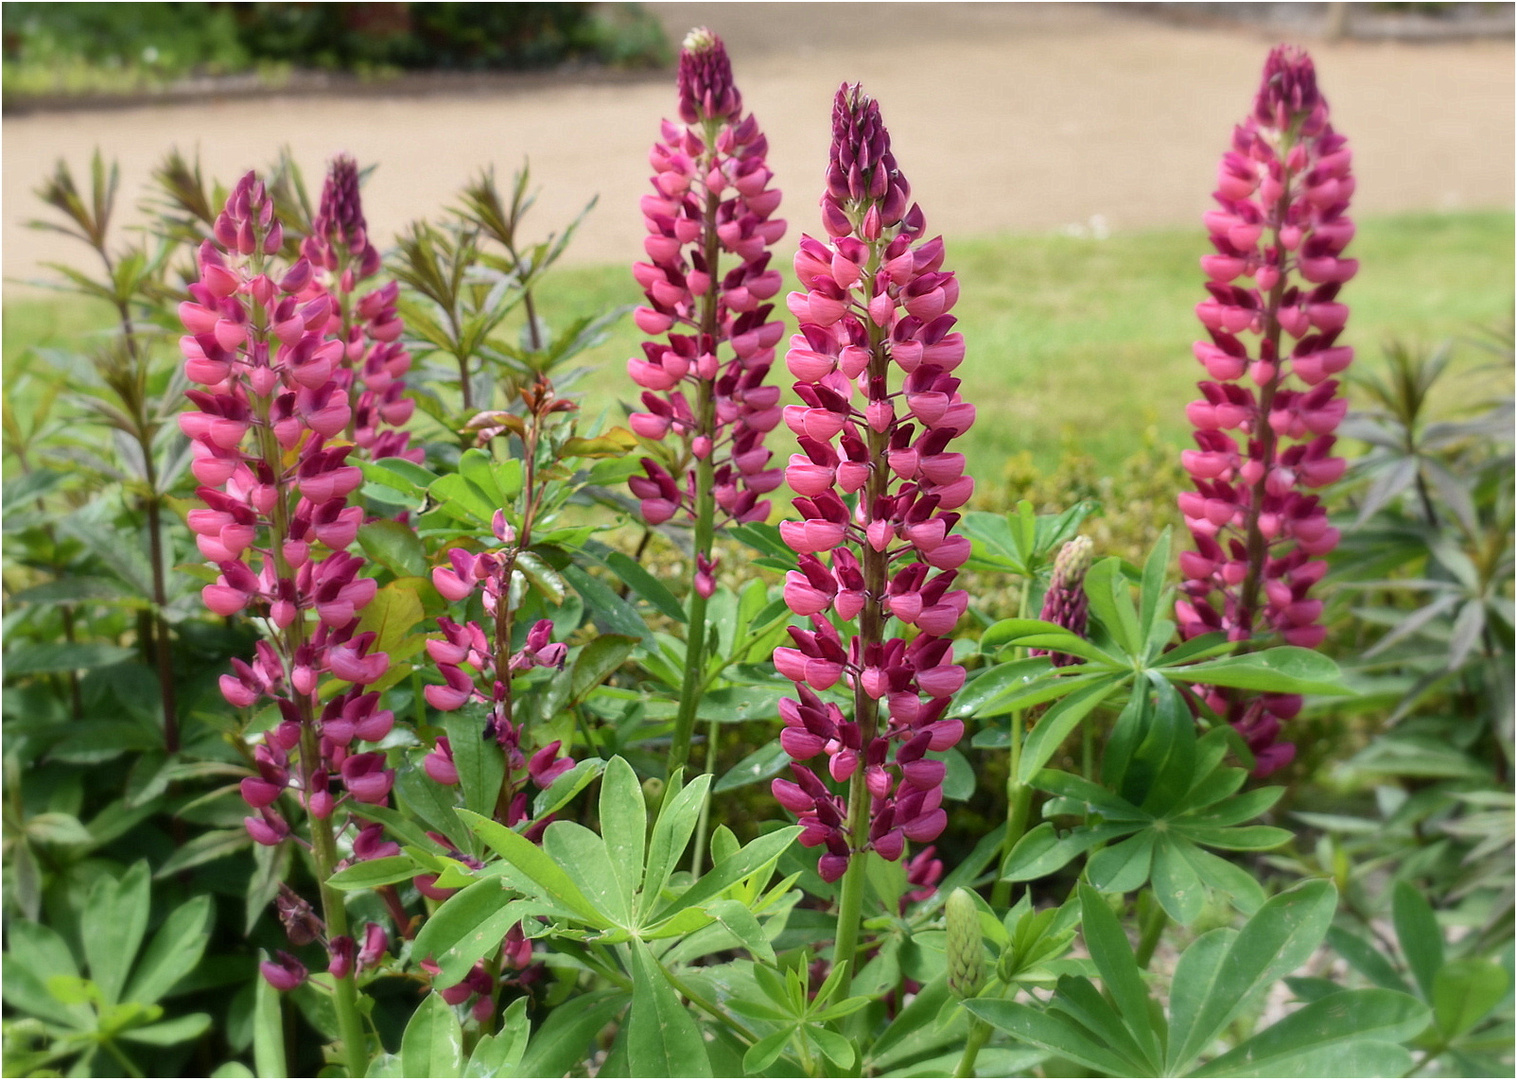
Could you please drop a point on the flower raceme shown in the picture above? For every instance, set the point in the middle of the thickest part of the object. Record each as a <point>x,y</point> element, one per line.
<point>275,483</point>
<point>374,360</point>
<point>1066,603</point>
<point>714,337</point>
<point>1279,231</point>
<point>880,408</point>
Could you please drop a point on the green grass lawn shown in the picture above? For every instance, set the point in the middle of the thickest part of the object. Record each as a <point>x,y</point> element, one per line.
<point>1070,339</point>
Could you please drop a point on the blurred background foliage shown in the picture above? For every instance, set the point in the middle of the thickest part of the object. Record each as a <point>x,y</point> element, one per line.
<point>92,48</point>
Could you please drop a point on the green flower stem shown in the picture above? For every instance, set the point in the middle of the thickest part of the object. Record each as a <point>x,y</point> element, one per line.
<point>1018,795</point>
<point>1153,929</point>
<point>335,913</point>
<point>703,823</point>
<point>705,498</point>
<point>979,1032</point>
<point>851,899</point>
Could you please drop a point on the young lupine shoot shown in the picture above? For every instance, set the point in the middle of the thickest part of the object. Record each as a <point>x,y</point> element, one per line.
<point>708,285</point>
<point>1282,196</point>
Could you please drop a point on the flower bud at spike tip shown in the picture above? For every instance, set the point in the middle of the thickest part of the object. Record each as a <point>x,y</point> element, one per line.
<point>966,950</point>
<point>1281,221</point>
<point>1065,603</point>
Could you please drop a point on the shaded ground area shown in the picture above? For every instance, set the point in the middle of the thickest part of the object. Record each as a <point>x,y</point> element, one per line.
<point>1021,117</point>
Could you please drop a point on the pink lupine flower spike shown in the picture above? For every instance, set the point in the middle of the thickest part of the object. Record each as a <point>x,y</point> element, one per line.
<point>1279,230</point>
<point>709,285</point>
<point>874,362</point>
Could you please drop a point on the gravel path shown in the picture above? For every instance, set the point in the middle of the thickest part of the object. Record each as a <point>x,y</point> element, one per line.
<point>1021,117</point>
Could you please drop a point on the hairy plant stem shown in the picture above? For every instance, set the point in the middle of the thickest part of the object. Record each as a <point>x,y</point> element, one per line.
<point>703,823</point>
<point>979,1032</point>
<point>1018,794</point>
<point>875,565</point>
<point>323,840</point>
<point>1154,923</point>
<point>152,506</point>
<point>1257,545</point>
<point>705,498</point>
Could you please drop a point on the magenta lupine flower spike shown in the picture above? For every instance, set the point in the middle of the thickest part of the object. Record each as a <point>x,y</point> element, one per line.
<point>1065,603</point>
<point>374,360</point>
<point>488,680</point>
<point>276,498</point>
<point>1282,196</point>
<point>874,359</point>
<point>708,285</point>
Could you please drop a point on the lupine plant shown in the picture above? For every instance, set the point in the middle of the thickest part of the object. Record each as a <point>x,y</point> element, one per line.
<point>438,722</point>
<point>703,378</point>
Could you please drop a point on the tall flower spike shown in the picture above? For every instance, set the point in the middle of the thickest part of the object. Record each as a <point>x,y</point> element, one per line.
<point>880,408</point>
<point>1279,231</point>
<point>709,285</point>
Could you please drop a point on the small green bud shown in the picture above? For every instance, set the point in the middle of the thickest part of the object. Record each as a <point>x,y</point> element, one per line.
<point>966,952</point>
<point>653,794</point>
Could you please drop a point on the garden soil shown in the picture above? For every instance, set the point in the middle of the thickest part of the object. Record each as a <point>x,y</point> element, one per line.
<point>1006,118</point>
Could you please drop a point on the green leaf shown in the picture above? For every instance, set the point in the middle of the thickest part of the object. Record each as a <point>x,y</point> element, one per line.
<point>1052,1032</point>
<point>1176,883</point>
<point>1310,1041</point>
<point>1111,603</point>
<point>1281,670</point>
<point>1464,993</point>
<point>181,1029</point>
<point>735,916</point>
<point>499,1054</point>
<point>1366,959</point>
<point>1122,867</point>
<point>468,925</point>
<point>115,920</point>
<point>34,659</point>
<point>481,763</point>
<point>174,951</point>
<point>268,1032</point>
<point>624,825</point>
<point>662,1038</point>
<point>1249,838</point>
<point>1195,981</point>
<point>767,761</point>
<point>1418,935</point>
<point>1151,598</point>
<point>645,585</point>
<point>597,660</point>
<point>207,847</point>
<point>534,862</point>
<point>563,1040</point>
<point>583,856</point>
<point>38,954</point>
<point>1055,725</point>
<point>752,858</point>
<point>839,1050</point>
<point>394,546</point>
<point>672,831</point>
<point>1114,959</point>
<point>612,613</point>
<point>1280,937</point>
<point>1042,851</point>
<point>763,1053</point>
<point>566,787</point>
<point>433,1043</point>
<point>373,873</point>
<point>391,615</point>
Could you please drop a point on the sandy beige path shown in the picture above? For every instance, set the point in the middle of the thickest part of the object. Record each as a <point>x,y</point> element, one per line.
<point>1005,117</point>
